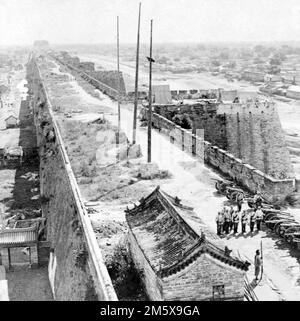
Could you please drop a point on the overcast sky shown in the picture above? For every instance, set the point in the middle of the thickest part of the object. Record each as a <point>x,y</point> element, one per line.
<point>94,21</point>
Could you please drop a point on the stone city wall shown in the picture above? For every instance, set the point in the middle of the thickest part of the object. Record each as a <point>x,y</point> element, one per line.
<point>76,267</point>
<point>225,162</point>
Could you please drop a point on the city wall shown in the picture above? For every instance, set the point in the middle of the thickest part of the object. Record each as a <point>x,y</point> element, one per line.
<point>251,131</point>
<point>242,173</point>
<point>76,267</point>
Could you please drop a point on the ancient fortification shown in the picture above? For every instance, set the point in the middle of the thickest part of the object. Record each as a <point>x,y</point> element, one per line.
<point>76,267</point>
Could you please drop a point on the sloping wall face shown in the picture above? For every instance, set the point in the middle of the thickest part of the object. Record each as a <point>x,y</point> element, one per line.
<point>110,78</point>
<point>76,268</point>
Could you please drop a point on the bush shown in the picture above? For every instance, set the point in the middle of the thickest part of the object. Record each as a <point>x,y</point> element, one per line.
<point>183,120</point>
<point>126,278</point>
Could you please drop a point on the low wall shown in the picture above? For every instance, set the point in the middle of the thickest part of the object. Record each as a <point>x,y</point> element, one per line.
<point>76,267</point>
<point>152,283</point>
<point>111,92</point>
<point>244,174</point>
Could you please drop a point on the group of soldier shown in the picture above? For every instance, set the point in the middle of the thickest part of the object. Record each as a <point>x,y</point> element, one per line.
<point>229,218</point>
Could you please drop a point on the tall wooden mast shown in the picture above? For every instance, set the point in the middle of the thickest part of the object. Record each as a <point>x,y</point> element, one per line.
<point>150,96</point>
<point>136,79</point>
<point>118,68</point>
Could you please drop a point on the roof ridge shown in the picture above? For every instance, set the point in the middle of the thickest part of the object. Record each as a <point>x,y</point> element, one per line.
<point>199,248</point>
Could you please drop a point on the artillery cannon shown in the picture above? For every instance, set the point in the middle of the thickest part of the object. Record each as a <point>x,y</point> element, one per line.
<point>230,190</point>
<point>288,229</point>
<point>222,185</point>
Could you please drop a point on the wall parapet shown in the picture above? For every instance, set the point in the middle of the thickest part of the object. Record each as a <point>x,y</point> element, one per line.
<point>76,266</point>
<point>242,173</point>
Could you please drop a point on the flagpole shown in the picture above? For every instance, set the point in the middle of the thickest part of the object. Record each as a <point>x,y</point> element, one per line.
<point>136,79</point>
<point>118,68</point>
<point>262,261</point>
<point>150,97</point>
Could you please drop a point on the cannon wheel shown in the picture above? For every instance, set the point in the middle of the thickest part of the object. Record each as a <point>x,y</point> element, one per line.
<point>277,228</point>
<point>269,216</point>
<point>228,194</point>
<point>269,224</point>
<point>281,231</point>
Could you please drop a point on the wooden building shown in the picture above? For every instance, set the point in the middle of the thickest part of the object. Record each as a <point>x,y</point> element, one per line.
<point>178,263</point>
<point>11,121</point>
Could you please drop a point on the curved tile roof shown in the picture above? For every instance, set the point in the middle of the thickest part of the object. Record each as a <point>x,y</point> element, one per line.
<point>168,242</point>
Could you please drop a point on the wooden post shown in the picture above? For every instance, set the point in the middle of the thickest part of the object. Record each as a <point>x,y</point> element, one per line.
<point>119,108</point>
<point>150,97</point>
<point>9,258</point>
<point>29,250</point>
<point>136,79</point>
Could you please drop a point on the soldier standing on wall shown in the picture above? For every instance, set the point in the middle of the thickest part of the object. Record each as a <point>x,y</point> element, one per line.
<point>235,221</point>
<point>220,222</point>
<point>231,212</point>
<point>244,220</point>
<point>257,264</point>
<point>240,200</point>
<point>259,217</point>
<point>227,221</point>
<point>257,199</point>
<point>252,220</point>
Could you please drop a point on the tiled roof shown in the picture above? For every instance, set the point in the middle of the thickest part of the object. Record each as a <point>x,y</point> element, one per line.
<point>18,236</point>
<point>168,242</point>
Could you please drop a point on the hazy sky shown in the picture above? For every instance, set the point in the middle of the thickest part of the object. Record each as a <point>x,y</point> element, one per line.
<point>94,21</point>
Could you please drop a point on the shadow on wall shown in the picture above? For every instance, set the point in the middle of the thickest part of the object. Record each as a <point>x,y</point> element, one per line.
<point>25,195</point>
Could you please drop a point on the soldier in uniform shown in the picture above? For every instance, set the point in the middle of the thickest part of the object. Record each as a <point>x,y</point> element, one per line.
<point>227,221</point>
<point>231,211</point>
<point>257,264</point>
<point>259,217</point>
<point>252,220</point>
<point>244,220</point>
<point>257,199</point>
<point>235,221</point>
<point>220,222</point>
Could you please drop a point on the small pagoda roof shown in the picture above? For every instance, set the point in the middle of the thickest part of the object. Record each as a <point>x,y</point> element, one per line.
<point>15,237</point>
<point>168,242</point>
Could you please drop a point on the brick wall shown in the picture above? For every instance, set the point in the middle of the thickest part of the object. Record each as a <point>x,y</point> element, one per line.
<point>254,134</point>
<point>193,283</point>
<point>250,131</point>
<point>152,284</point>
<point>197,280</point>
<point>245,174</point>
<point>79,272</point>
